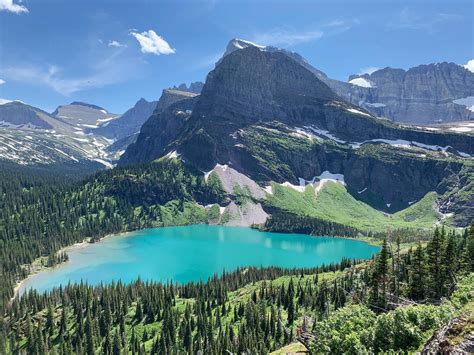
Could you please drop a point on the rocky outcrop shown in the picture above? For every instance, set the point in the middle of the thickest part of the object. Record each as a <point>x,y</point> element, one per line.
<point>162,128</point>
<point>453,338</point>
<point>421,95</point>
<point>194,87</point>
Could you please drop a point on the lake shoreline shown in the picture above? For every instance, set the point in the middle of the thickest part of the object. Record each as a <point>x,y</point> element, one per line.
<point>35,269</point>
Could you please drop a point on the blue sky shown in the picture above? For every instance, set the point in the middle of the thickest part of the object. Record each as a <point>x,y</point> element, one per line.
<point>112,52</point>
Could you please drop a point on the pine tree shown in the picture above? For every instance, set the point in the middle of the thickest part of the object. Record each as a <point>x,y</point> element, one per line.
<point>417,274</point>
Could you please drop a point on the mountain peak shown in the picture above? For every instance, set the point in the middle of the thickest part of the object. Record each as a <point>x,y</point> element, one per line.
<point>80,103</point>
<point>236,44</point>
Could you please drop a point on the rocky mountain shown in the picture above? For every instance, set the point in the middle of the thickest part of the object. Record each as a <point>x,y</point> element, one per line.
<point>31,136</point>
<point>16,114</point>
<point>426,94</point>
<point>128,123</point>
<point>172,110</point>
<point>266,115</point>
<point>83,115</point>
<point>75,132</point>
<point>194,87</point>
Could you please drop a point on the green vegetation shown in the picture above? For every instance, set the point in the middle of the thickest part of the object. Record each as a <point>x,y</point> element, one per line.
<point>334,203</point>
<point>40,215</point>
<point>346,308</point>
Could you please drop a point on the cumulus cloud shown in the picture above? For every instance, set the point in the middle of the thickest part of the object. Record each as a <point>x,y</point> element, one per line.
<point>2,81</point>
<point>470,65</point>
<point>115,44</point>
<point>152,43</point>
<point>8,5</point>
<point>368,70</point>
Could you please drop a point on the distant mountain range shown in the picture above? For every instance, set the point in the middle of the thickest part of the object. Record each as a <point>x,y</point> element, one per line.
<point>426,94</point>
<point>252,113</point>
<point>79,133</point>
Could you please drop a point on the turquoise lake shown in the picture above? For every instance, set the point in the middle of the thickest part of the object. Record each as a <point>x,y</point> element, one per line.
<point>190,253</point>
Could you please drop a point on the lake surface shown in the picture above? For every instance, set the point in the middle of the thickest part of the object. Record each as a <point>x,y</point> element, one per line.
<point>190,253</point>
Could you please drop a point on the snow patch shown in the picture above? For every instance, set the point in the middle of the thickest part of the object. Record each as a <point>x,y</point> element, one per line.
<point>327,175</point>
<point>388,205</point>
<point>88,125</point>
<point>294,187</point>
<point>353,110</point>
<point>320,132</point>
<point>466,101</point>
<point>242,43</point>
<point>401,143</point>
<point>461,129</point>
<point>375,104</point>
<point>103,111</point>
<point>173,154</point>
<point>103,120</point>
<point>105,163</point>
<point>362,191</point>
<point>268,189</point>
<point>362,83</point>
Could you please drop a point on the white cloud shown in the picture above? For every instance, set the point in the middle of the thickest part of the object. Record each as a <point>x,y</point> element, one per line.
<point>367,70</point>
<point>150,42</point>
<point>8,5</point>
<point>470,65</point>
<point>106,72</point>
<point>116,44</point>
<point>411,20</point>
<point>285,37</point>
<point>2,82</point>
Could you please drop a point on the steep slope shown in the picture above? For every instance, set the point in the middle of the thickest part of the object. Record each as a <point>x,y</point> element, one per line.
<point>425,94</point>
<point>330,200</point>
<point>194,88</point>
<point>164,125</point>
<point>129,123</point>
<point>441,92</point>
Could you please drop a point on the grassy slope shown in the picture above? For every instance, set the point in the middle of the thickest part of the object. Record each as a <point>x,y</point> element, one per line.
<point>334,203</point>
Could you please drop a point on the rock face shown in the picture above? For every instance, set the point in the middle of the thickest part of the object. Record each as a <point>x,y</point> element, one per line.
<point>194,88</point>
<point>16,114</point>
<point>421,95</point>
<point>130,122</point>
<point>252,86</point>
<point>425,94</point>
<point>172,111</point>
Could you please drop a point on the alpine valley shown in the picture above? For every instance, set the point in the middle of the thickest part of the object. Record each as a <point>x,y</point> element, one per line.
<point>267,142</point>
